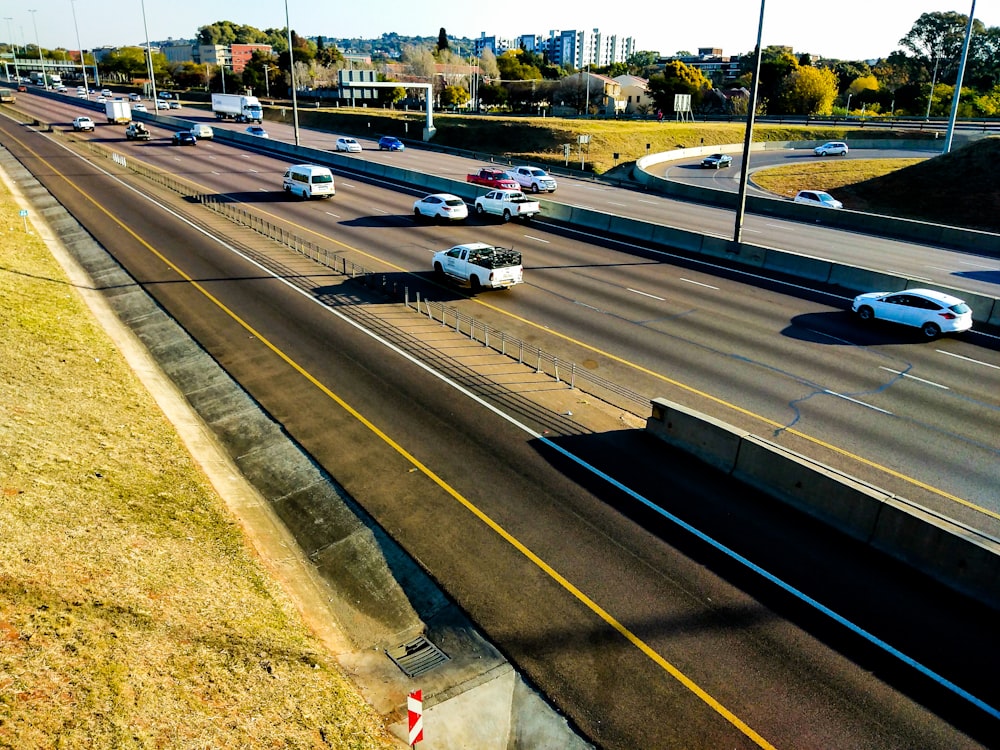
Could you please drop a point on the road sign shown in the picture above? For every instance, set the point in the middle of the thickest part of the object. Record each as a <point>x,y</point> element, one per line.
<point>415,709</point>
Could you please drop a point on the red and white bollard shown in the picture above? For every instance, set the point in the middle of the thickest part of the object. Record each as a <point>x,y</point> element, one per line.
<point>415,709</point>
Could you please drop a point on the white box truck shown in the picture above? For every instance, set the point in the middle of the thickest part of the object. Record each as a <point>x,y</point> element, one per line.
<point>118,111</point>
<point>237,107</point>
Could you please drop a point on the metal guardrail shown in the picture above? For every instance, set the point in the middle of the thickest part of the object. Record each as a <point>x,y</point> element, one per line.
<point>560,370</point>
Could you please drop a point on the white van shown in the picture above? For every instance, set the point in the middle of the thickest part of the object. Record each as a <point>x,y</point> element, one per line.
<point>309,181</point>
<point>201,131</point>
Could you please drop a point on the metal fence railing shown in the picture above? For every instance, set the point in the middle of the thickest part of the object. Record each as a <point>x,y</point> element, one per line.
<point>560,370</point>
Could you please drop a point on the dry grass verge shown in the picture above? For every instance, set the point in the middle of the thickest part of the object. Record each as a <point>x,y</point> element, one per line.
<point>132,611</point>
<point>826,175</point>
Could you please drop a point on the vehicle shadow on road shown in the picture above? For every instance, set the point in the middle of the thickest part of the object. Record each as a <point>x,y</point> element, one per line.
<point>842,328</point>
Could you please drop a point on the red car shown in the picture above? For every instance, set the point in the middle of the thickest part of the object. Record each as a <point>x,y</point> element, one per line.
<point>493,178</point>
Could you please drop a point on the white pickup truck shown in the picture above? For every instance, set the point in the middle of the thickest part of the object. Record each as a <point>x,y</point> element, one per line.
<point>480,265</point>
<point>533,179</point>
<point>508,204</point>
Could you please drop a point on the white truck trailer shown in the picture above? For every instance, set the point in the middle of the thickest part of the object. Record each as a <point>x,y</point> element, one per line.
<point>237,107</point>
<point>118,111</point>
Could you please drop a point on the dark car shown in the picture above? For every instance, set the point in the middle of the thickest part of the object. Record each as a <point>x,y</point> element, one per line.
<point>184,138</point>
<point>388,143</point>
<point>717,161</point>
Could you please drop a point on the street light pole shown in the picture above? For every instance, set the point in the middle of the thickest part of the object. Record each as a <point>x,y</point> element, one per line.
<point>748,138</point>
<point>291,77</point>
<point>149,58</point>
<point>41,62</point>
<point>17,72</point>
<point>83,66</point>
<point>958,83</point>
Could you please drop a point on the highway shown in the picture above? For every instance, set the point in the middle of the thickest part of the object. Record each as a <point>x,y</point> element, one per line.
<point>785,356</point>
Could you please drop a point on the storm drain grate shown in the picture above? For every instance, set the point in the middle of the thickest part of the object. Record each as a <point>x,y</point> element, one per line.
<point>417,656</point>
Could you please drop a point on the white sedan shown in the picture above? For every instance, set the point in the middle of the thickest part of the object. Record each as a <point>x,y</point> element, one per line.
<point>817,198</point>
<point>931,311</point>
<point>440,206</point>
<point>348,144</point>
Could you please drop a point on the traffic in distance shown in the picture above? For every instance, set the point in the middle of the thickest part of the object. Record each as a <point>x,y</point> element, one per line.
<point>932,312</point>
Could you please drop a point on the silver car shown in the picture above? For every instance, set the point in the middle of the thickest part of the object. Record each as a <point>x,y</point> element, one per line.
<point>833,148</point>
<point>817,198</point>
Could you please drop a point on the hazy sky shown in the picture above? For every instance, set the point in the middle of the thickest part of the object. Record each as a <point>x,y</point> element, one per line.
<point>846,29</point>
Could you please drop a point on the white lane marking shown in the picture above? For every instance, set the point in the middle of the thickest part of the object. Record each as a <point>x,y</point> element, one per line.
<point>263,190</point>
<point>216,173</point>
<point>840,619</point>
<point>698,283</point>
<point>904,275</point>
<point>328,213</point>
<point>613,203</point>
<point>537,239</point>
<point>975,265</point>
<point>645,294</point>
<point>651,203</point>
<point>751,231</point>
<point>855,401</point>
<point>940,268</point>
<point>969,359</point>
<point>253,171</point>
<point>914,377</point>
<point>780,226</point>
<point>381,211</point>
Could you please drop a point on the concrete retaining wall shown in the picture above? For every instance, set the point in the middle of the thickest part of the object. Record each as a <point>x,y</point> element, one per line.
<point>985,243</point>
<point>954,554</point>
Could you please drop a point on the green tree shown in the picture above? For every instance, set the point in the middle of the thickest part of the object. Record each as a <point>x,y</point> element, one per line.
<point>808,91</point>
<point>227,32</point>
<point>639,61</point>
<point>862,84</point>
<point>935,39</point>
<point>776,63</point>
<point>983,69</point>
<point>846,71</point>
<point>188,75</point>
<point>512,68</point>
<point>125,63</point>
<point>389,97</point>
<point>677,78</point>
<point>493,95</point>
<point>454,96</point>
<point>442,43</point>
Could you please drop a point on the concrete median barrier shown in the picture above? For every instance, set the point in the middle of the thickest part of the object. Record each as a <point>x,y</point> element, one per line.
<point>713,441</point>
<point>831,496</point>
<point>799,266</point>
<point>955,555</point>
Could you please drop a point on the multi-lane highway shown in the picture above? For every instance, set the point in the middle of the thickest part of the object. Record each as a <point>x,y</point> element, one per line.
<point>748,665</point>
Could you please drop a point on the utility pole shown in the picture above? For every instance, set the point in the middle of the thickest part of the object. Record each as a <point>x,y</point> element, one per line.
<point>17,72</point>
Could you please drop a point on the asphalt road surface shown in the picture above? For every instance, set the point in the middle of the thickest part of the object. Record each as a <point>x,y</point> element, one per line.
<point>660,640</point>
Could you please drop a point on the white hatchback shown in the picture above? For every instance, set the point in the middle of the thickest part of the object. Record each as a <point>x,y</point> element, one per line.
<point>348,144</point>
<point>833,148</point>
<point>931,311</point>
<point>817,198</point>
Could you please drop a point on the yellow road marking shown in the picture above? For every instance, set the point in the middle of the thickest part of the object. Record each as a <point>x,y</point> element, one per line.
<point>670,381</point>
<point>482,516</point>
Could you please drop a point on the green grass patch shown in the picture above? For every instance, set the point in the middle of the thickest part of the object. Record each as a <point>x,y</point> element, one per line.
<point>132,611</point>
